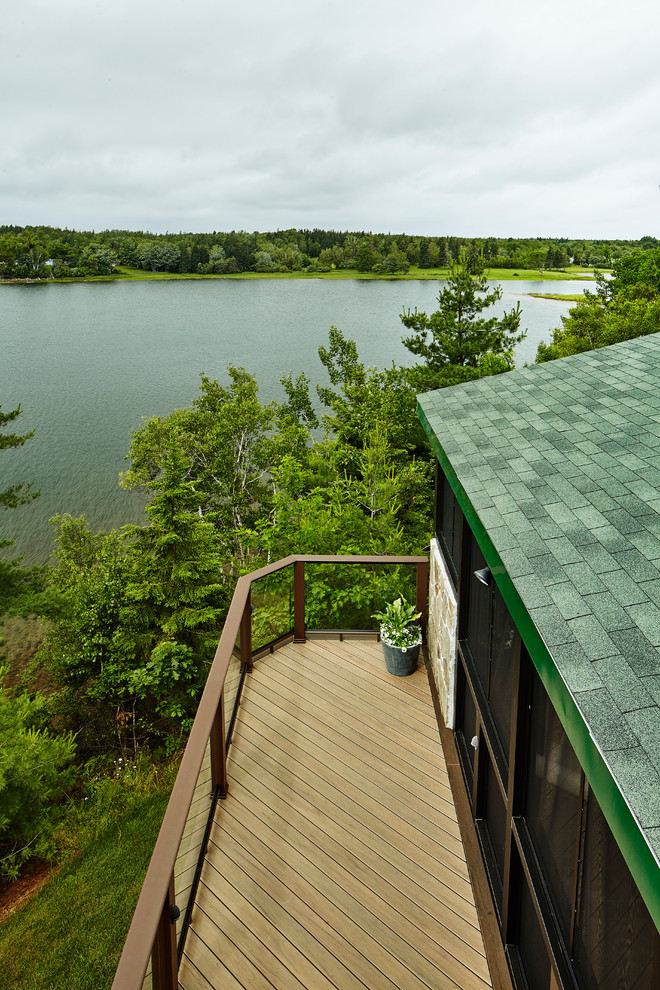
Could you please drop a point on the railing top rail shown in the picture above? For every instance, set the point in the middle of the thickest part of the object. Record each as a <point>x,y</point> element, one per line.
<point>319,558</point>
<point>137,948</point>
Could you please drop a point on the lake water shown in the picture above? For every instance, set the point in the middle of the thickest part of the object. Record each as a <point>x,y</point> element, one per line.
<point>88,362</point>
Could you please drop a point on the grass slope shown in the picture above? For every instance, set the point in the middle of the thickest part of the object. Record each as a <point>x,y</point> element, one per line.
<point>70,936</point>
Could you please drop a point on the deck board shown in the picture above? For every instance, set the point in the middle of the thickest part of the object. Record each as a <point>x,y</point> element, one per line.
<point>350,759</point>
<point>336,859</point>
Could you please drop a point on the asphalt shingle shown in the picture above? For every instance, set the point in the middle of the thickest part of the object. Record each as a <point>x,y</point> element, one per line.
<point>562,465</point>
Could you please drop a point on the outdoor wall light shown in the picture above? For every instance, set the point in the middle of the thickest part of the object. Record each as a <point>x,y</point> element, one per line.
<point>484,576</point>
<point>474,742</point>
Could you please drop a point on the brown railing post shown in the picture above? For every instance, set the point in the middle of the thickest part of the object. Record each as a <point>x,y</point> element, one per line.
<point>165,974</point>
<point>246,633</point>
<point>219,750</point>
<point>422,594</point>
<point>299,601</point>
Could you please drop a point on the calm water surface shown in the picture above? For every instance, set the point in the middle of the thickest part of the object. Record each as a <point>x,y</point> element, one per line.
<point>89,362</point>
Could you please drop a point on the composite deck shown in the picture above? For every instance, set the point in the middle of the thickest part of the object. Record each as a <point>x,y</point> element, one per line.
<point>336,859</point>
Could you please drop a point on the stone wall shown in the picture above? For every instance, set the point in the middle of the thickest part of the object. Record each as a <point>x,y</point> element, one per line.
<point>442,632</point>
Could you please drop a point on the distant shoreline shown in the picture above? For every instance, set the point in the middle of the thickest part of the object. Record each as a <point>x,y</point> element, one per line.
<point>125,274</point>
<point>555,295</point>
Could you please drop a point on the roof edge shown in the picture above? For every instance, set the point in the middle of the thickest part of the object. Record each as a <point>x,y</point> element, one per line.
<point>627,830</point>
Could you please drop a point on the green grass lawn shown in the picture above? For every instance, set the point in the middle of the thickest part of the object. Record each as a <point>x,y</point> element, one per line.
<point>534,275</point>
<point>556,295</point>
<point>138,274</point>
<point>70,935</point>
<point>426,274</point>
<point>497,274</point>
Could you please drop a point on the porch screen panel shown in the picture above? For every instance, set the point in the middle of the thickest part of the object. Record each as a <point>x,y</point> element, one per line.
<point>495,819</point>
<point>553,803</point>
<point>478,616</point>
<point>502,670</point>
<point>466,726</point>
<point>531,944</point>
<point>616,943</point>
<point>449,523</point>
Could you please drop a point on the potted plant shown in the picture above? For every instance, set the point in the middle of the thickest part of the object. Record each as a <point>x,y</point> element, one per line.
<point>401,637</point>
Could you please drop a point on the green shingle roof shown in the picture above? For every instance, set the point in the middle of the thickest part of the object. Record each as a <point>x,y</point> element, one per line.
<point>559,464</point>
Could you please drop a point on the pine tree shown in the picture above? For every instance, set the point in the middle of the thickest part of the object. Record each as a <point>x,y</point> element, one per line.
<point>456,334</point>
<point>177,589</point>
<point>15,581</point>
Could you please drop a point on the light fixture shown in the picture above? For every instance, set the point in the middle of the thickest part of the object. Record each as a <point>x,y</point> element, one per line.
<point>484,576</point>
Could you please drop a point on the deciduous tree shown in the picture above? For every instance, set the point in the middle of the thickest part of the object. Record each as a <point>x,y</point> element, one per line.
<point>226,436</point>
<point>623,307</point>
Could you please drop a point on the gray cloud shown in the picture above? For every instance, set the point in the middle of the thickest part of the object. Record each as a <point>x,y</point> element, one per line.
<point>191,114</point>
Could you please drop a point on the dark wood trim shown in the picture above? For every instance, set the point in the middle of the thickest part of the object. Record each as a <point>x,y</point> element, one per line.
<point>437,500</point>
<point>460,735</point>
<point>299,601</point>
<point>486,729</point>
<point>246,632</point>
<point>458,540</point>
<point>422,595</point>
<point>218,749</point>
<point>198,872</point>
<point>478,793</point>
<point>538,891</point>
<point>463,587</point>
<point>269,648</point>
<point>487,914</point>
<point>517,745</point>
<point>164,957</point>
<point>343,635</point>
<point>490,862</point>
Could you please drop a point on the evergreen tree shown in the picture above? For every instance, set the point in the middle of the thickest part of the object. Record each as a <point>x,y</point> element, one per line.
<point>137,613</point>
<point>15,582</point>
<point>424,253</point>
<point>33,775</point>
<point>175,597</point>
<point>456,334</point>
<point>16,494</point>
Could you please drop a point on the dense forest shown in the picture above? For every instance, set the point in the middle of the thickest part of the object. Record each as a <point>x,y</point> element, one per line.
<point>52,252</point>
<point>132,616</point>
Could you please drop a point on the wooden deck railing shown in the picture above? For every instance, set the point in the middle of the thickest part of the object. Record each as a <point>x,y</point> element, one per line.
<point>152,937</point>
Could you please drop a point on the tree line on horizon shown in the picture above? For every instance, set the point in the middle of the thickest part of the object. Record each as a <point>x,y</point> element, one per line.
<point>40,252</point>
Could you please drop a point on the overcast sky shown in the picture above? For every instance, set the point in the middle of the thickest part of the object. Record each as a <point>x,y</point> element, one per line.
<point>435,117</point>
